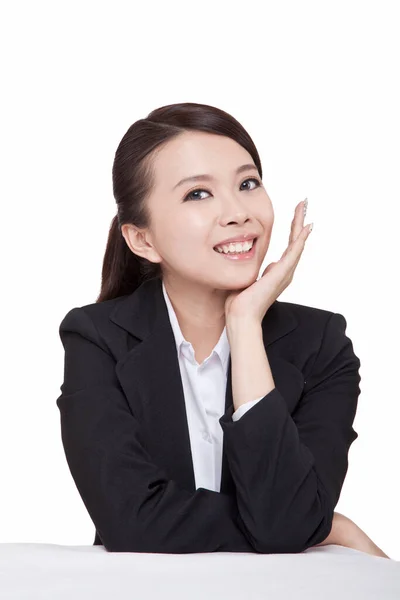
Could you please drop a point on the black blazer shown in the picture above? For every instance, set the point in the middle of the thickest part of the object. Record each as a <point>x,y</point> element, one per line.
<point>126,439</point>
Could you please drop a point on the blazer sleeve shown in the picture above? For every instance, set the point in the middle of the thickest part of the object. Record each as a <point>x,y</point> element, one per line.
<point>243,408</point>
<point>289,470</point>
<point>131,501</point>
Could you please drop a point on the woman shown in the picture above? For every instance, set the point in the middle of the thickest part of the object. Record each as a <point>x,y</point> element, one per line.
<point>198,412</point>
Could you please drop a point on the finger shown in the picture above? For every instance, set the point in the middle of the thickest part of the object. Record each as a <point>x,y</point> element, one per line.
<point>293,252</point>
<point>298,222</point>
<point>296,259</point>
<point>299,245</point>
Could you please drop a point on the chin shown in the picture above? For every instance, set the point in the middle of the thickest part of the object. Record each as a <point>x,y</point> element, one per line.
<point>239,283</point>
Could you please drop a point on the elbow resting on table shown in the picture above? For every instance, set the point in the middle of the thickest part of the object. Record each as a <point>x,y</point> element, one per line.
<point>292,542</point>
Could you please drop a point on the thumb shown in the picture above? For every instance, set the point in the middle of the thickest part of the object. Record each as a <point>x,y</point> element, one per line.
<point>268,269</point>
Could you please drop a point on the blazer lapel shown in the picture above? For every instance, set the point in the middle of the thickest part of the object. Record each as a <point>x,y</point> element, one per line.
<point>150,378</point>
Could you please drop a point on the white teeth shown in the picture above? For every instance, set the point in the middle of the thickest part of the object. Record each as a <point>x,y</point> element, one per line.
<point>235,248</point>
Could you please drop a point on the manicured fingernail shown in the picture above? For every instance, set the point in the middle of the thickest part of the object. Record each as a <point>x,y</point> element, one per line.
<point>305,206</point>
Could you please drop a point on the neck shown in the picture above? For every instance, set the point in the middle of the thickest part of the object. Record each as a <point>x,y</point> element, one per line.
<point>199,311</point>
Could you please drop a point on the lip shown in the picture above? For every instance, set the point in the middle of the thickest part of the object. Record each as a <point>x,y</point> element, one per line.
<point>245,237</point>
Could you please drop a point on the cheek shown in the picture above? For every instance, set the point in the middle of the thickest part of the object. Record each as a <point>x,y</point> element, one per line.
<point>267,215</point>
<point>179,244</point>
<point>171,232</point>
<point>192,236</point>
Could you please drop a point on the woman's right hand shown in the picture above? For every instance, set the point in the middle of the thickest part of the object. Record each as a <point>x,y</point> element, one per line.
<point>253,302</point>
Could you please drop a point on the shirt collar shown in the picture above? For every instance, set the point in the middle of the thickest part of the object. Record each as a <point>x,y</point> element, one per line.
<point>222,348</point>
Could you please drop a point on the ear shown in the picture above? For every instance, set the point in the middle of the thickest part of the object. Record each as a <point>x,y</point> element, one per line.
<point>139,242</point>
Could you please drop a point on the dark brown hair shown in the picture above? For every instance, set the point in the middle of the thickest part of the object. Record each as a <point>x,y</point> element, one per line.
<point>133,177</point>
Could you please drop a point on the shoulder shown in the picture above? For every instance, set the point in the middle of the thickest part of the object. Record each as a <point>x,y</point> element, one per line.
<point>310,327</point>
<point>96,311</point>
<point>308,318</point>
<point>90,320</point>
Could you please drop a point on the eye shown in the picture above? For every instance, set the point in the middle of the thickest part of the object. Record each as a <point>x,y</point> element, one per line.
<point>190,197</point>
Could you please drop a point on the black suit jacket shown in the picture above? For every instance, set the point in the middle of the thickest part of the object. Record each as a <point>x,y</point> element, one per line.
<point>125,434</point>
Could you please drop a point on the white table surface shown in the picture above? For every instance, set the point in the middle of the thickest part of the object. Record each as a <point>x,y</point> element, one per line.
<point>56,572</point>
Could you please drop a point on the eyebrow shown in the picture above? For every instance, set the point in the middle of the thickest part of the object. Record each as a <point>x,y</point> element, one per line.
<point>206,177</point>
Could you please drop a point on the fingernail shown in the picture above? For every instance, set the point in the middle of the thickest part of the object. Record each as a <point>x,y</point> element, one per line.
<point>310,227</point>
<point>305,206</point>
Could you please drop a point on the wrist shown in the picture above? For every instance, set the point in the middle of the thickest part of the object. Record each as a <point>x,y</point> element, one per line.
<point>251,372</point>
<point>239,326</point>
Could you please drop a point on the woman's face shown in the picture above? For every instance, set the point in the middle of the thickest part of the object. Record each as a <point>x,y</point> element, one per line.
<point>189,218</point>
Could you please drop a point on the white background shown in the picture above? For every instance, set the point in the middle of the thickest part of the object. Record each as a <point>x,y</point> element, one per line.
<point>316,84</point>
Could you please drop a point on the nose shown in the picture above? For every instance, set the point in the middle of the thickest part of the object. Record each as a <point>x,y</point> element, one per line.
<point>234,210</point>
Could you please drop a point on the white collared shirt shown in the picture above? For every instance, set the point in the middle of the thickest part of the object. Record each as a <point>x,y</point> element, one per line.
<point>204,388</point>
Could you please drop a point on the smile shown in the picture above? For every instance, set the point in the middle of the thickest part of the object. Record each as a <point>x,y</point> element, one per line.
<point>242,252</point>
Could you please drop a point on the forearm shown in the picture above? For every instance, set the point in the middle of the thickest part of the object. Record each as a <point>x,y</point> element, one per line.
<point>340,532</point>
<point>251,372</point>
<point>251,378</point>
<point>346,533</point>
